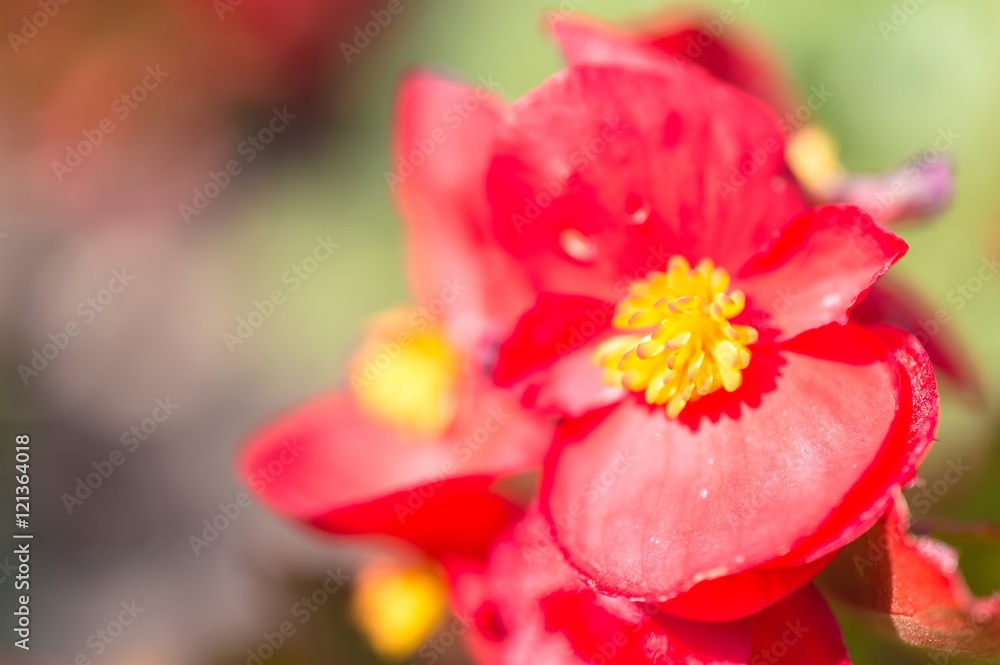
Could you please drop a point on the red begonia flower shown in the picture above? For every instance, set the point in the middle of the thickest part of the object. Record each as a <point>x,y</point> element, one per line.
<point>751,429</point>
<point>920,189</point>
<point>913,586</point>
<point>526,605</point>
<point>411,450</point>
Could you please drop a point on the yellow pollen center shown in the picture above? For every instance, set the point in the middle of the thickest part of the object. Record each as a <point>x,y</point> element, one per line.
<point>407,374</point>
<point>398,607</point>
<point>681,345</point>
<point>811,153</point>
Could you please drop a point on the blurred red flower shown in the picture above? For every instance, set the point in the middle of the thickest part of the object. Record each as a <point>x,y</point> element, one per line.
<point>412,447</point>
<point>116,111</point>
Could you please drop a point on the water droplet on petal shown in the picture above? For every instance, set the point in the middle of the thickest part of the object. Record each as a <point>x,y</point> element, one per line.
<point>577,245</point>
<point>637,209</point>
<point>704,494</point>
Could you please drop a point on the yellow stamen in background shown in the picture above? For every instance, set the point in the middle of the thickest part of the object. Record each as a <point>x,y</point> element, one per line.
<point>811,153</point>
<point>684,346</point>
<point>398,607</point>
<point>407,374</point>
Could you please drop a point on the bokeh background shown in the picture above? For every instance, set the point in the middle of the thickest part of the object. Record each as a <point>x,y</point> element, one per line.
<point>170,283</point>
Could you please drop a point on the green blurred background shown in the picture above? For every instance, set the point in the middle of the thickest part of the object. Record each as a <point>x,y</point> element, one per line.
<point>163,335</point>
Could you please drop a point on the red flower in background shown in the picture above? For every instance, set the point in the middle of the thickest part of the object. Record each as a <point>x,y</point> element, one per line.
<point>410,449</point>
<point>752,430</point>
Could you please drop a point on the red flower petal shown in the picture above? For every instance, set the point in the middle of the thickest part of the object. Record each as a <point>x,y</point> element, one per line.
<point>329,465</point>
<point>588,42</point>
<point>913,586</point>
<point>896,464</point>
<point>746,593</point>
<point>603,173</point>
<point>822,262</point>
<point>554,328</point>
<point>550,354</point>
<point>530,607</point>
<point>573,385</point>
<point>601,629</point>
<point>444,138</point>
<point>687,37</point>
<point>646,507</point>
<point>892,303</point>
<point>800,630</point>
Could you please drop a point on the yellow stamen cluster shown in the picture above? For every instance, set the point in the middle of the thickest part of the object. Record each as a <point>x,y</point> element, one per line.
<point>398,607</point>
<point>407,374</point>
<point>684,346</point>
<point>811,153</point>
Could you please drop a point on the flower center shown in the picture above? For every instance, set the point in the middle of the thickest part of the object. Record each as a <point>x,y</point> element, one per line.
<point>398,607</point>
<point>684,346</point>
<point>407,374</point>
